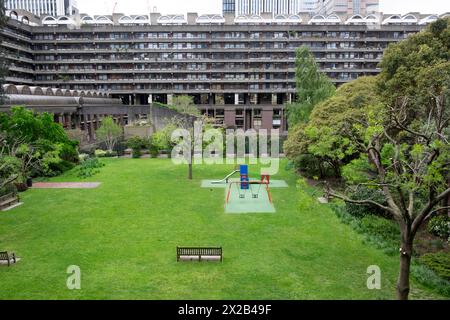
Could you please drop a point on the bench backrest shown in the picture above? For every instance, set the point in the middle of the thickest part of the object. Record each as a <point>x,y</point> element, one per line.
<point>190,251</point>
<point>4,256</point>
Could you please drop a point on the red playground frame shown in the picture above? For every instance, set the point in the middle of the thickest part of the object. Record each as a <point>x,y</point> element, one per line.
<point>266,183</point>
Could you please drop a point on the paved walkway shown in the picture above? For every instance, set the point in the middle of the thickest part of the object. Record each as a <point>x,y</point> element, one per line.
<point>66,185</point>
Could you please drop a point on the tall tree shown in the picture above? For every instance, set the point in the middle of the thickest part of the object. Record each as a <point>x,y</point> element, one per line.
<point>312,87</point>
<point>185,106</point>
<point>109,133</point>
<point>408,144</point>
<point>323,145</point>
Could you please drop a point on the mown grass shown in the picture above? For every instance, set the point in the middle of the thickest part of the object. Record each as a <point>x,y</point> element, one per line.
<point>123,236</point>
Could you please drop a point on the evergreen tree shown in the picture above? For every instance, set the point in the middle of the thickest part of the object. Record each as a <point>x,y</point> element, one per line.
<point>312,87</point>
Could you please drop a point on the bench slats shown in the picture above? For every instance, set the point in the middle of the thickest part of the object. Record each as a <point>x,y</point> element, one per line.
<point>8,257</point>
<point>199,252</point>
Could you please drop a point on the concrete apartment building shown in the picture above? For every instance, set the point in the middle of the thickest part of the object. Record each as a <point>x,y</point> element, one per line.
<point>44,7</point>
<point>350,7</point>
<point>241,70</point>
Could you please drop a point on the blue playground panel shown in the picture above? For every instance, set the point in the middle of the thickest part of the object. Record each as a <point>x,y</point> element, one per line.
<point>244,177</point>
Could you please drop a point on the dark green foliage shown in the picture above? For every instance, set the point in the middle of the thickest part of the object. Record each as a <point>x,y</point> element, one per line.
<point>440,226</point>
<point>362,193</point>
<point>137,144</point>
<point>89,167</point>
<point>438,262</point>
<point>430,279</point>
<point>312,87</point>
<point>379,232</point>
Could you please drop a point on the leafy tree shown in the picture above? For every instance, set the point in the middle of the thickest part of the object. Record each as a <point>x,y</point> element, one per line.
<point>185,105</point>
<point>407,150</point>
<point>330,139</point>
<point>312,87</point>
<point>109,132</point>
<point>40,144</point>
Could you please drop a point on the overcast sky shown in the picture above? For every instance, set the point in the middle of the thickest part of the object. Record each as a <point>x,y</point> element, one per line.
<point>214,6</point>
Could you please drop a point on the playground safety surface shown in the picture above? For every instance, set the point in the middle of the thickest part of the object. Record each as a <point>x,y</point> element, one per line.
<point>254,200</point>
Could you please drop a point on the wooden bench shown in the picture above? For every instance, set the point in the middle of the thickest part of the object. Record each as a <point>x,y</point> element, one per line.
<point>199,254</point>
<point>10,257</point>
<point>8,200</point>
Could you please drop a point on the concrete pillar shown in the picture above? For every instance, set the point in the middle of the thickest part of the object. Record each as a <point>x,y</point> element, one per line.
<point>150,99</point>
<point>230,117</point>
<point>90,127</point>
<point>253,98</point>
<point>77,121</point>
<point>236,98</point>
<point>267,118</point>
<point>96,121</point>
<point>274,99</point>
<point>169,99</point>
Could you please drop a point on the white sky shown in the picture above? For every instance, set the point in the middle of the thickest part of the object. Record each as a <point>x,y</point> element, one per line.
<point>215,6</point>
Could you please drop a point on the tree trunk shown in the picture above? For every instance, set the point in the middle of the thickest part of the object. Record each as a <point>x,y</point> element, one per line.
<point>190,171</point>
<point>405,266</point>
<point>447,200</point>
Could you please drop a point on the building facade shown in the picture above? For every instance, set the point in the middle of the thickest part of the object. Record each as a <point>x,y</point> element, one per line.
<point>273,7</point>
<point>240,71</point>
<point>349,7</point>
<point>44,7</point>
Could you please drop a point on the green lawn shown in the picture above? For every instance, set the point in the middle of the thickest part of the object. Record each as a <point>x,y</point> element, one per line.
<point>124,234</point>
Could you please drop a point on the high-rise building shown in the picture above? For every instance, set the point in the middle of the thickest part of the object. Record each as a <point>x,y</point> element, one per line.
<point>44,7</point>
<point>274,7</point>
<point>362,7</point>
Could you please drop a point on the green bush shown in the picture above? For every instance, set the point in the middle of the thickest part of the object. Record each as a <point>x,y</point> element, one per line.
<point>137,144</point>
<point>438,262</point>
<point>89,167</point>
<point>440,227</point>
<point>379,232</point>
<point>100,153</point>
<point>363,193</point>
<point>430,279</point>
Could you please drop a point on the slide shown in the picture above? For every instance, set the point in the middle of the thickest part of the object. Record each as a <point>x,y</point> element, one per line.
<point>226,178</point>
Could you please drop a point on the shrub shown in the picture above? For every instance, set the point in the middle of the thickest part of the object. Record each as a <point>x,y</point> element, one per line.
<point>363,193</point>
<point>137,144</point>
<point>430,279</point>
<point>89,167</point>
<point>438,262</point>
<point>100,153</point>
<point>440,227</point>
<point>379,232</point>
<point>83,157</point>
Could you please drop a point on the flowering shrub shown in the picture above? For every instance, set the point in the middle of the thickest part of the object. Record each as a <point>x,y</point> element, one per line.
<point>440,226</point>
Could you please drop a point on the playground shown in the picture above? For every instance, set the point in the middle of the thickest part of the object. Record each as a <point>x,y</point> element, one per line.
<point>124,234</point>
<point>246,195</point>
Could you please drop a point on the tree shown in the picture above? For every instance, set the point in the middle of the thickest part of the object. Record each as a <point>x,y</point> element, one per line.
<point>327,142</point>
<point>407,150</point>
<point>312,87</point>
<point>40,144</point>
<point>109,132</point>
<point>185,106</point>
